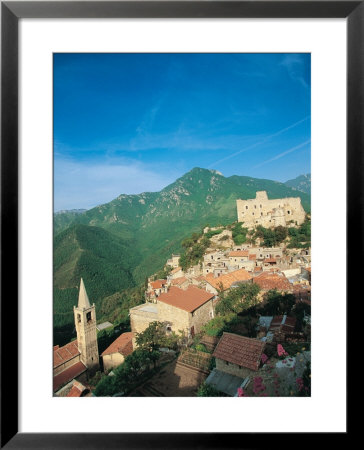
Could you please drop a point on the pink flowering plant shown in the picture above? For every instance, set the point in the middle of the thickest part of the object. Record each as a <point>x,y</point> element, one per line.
<point>281,351</point>
<point>241,392</point>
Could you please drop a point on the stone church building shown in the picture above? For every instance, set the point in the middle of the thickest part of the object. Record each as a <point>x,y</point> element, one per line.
<point>77,357</point>
<point>270,213</point>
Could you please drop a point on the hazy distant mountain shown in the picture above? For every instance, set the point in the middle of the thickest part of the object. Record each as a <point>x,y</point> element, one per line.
<point>64,217</point>
<point>302,183</point>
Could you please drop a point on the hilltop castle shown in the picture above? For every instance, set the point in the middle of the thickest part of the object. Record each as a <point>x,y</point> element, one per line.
<point>270,213</point>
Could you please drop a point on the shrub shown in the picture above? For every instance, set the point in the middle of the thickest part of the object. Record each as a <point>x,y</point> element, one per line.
<point>205,390</point>
<point>201,348</point>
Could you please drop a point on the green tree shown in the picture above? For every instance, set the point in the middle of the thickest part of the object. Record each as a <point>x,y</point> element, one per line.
<point>239,298</point>
<point>276,303</point>
<point>205,390</point>
<point>152,338</point>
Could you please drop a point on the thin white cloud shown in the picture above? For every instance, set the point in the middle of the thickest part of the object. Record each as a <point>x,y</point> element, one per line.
<point>256,144</point>
<point>85,185</point>
<point>280,155</point>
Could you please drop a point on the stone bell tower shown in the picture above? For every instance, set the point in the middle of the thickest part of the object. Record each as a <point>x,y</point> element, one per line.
<point>85,321</point>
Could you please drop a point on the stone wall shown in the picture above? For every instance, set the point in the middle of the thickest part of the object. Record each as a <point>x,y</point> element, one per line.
<point>178,319</point>
<point>202,315</point>
<point>140,320</point>
<point>113,360</point>
<point>270,213</point>
<point>233,369</point>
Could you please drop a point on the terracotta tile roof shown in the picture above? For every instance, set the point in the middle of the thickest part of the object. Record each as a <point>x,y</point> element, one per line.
<point>188,300</point>
<point>270,260</point>
<point>252,257</point>
<point>228,279</point>
<point>257,269</point>
<point>76,390</point>
<point>68,375</point>
<point>239,253</point>
<point>123,344</point>
<point>178,281</point>
<point>157,284</point>
<point>65,353</point>
<point>271,280</point>
<point>177,269</point>
<point>239,350</point>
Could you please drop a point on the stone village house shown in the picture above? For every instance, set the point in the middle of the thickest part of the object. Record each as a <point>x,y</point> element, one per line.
<point>238,355</point>
<point>181,310</point>
<point>116,353</point>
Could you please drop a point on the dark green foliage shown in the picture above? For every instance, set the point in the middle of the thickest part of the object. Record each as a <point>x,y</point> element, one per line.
<point>271,236</point>
<point>152,338</point>
<point>292,348</point>
<point>201,348</point>
<point>101,258</point>
<point>219,324</point>
<point>128,375</point>
<point>163,273</point>
<point>299,311</point>
<point>193,254</point>
<point>238,299</point>
<point>300,237</point>
<point>115,308</point>
<point>239,233</point>
<point>276,303</point>
<point>211,233</point>
<point>205,390</point>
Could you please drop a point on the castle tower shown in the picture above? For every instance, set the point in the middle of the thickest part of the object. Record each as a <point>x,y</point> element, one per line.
<point>85,321</point>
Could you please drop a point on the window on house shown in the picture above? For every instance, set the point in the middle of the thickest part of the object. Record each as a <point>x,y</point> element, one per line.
<point>79,318</point>
<point>288,212</point>
<point>246,207</point>
<point>88,317</point>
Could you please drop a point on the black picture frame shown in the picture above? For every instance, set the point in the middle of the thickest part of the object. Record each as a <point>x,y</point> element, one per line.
<point>11,12</point>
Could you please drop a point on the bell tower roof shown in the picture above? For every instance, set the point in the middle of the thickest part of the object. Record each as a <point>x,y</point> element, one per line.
<point>83,301</point>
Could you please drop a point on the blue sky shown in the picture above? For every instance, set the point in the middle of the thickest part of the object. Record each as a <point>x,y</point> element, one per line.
<point>130,123</point>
